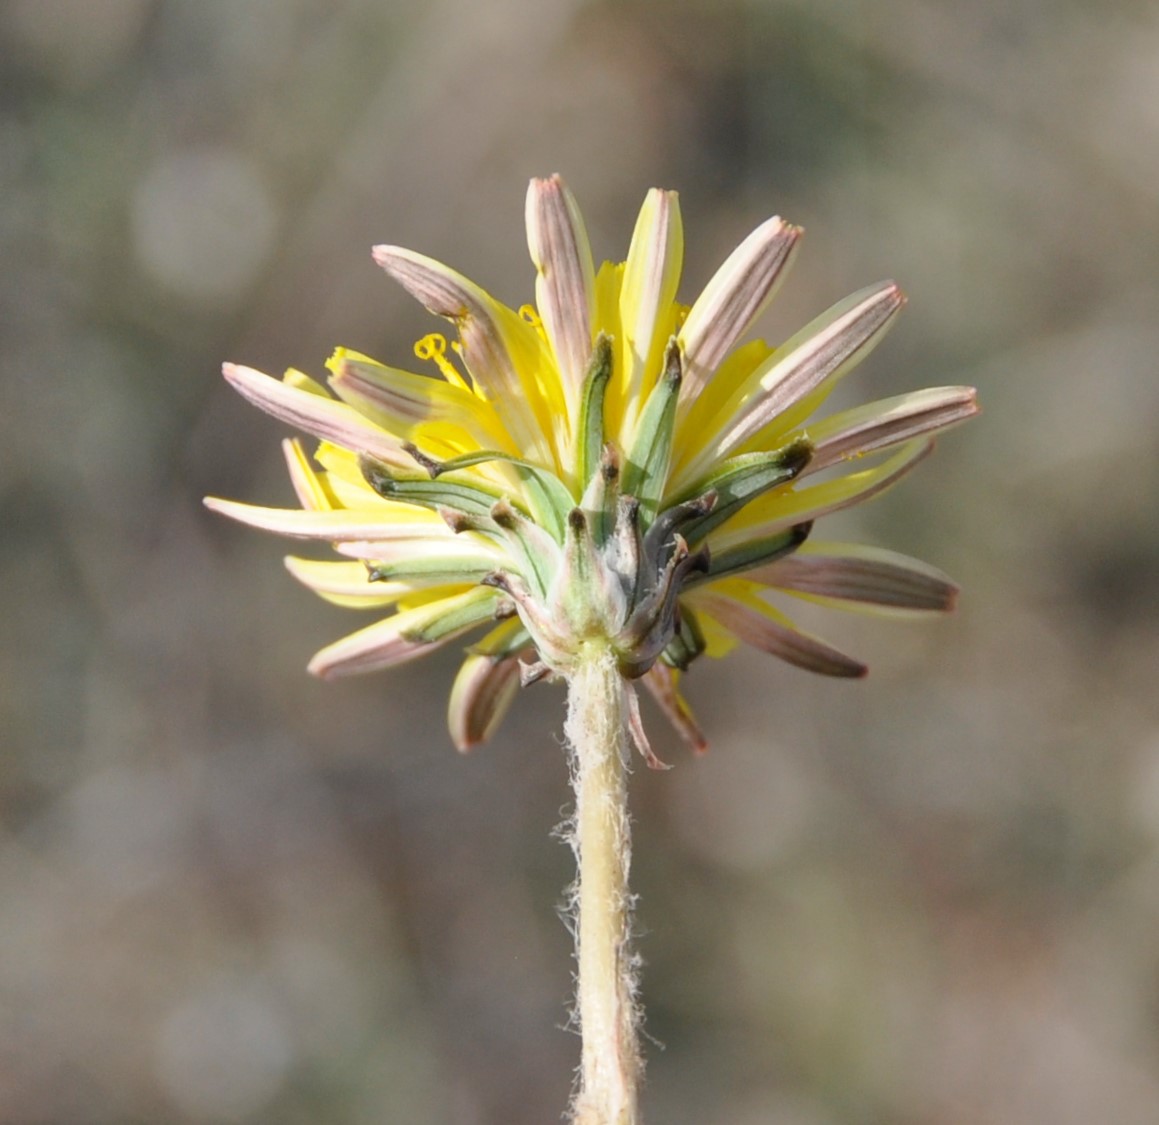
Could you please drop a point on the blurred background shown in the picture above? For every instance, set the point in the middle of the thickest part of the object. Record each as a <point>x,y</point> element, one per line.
<point>229,893</point>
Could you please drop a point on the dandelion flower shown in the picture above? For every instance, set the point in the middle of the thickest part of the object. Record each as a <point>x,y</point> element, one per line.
<point>608,465</point>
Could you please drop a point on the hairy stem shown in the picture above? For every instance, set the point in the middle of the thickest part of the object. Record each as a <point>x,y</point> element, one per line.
<point>606,1001</point>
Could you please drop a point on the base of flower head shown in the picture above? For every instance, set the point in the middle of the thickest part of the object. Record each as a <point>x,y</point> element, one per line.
<point>614,597</point>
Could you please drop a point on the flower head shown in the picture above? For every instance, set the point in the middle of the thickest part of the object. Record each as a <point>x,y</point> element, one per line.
<point>607,468</point>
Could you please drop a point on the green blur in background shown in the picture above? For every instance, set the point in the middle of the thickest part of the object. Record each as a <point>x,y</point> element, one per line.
<point>229,893</point>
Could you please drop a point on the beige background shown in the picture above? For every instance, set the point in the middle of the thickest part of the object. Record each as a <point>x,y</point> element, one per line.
<point>231,894</point>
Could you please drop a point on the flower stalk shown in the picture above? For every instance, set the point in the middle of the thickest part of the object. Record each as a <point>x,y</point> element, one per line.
<point>606,1010</point>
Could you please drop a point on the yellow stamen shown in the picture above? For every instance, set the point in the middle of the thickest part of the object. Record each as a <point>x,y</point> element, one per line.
<point>433,347</point>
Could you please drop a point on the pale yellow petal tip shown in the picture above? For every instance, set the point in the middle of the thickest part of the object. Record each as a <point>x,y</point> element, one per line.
<point>554,182</point>
<point>231,509</point>
<point>775,227</point>
<point>389,257</point>
<point>326,664</point>
<point>383,253</point>
<point>241,377</point>
<point>441,289</point>
<point>320,668</point>
<point>392,258</point>
<point>295,566</point>
<point>881,294</point>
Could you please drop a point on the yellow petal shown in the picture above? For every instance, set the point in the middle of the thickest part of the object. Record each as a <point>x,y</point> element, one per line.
<point>406,635</point>
<point>564,283</point>
<point>648,292</point>
<point>739,610</point>
<point>308,485</point>
<point>317,415</point>
<point>346,583</point>
<point>339,526</point>
<point>888,422</point>
<point>733,299</point>
<point>822,352</point>
<point>486,686</point>
<point>853,576</point>
<point>429,412</point>
<point>505,355</point>
<point>780,510</point>
<point>695,432</point>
